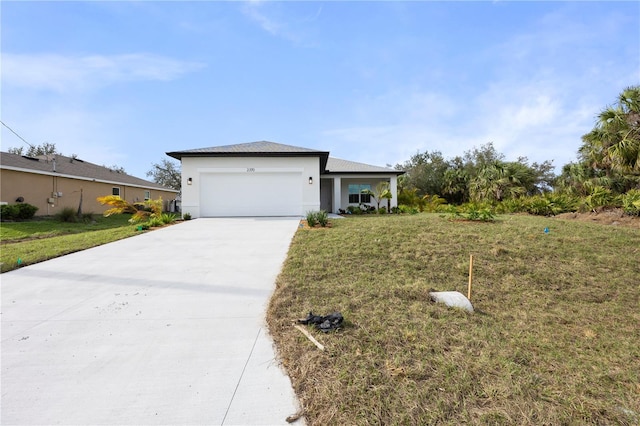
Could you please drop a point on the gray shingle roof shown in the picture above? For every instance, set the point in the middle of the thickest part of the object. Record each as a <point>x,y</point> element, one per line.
<point>73,167</point>
<point>266,148</point>
<point>260,148</point>
<point>336,165</point>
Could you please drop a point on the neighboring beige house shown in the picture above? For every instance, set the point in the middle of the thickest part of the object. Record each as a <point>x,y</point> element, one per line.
<point>272,179</point>
<point>54,182</point>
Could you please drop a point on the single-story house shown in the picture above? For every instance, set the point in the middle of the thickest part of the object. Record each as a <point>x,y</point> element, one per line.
<point>53,182</point>
<point>272,179</point>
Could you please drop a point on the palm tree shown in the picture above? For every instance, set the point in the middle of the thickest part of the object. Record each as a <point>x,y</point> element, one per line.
<point>614,143</point>
<point>498,181</point>
<point>381,192</point>
<point>455,186</point>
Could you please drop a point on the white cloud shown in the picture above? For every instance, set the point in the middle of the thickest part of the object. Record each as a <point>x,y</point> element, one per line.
<point>60,73</point>
<point>289,21</point>
<point>536,121</point>
<point>89,134</point>
<point>253,10</point>
<point>542,90</point>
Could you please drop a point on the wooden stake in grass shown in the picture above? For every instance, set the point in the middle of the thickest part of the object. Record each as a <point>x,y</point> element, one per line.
<point>310,337</point>
<point>470,277</point>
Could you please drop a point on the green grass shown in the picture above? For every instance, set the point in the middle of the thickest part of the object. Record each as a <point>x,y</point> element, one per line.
<point>554,339</point>
<point>42,239</point>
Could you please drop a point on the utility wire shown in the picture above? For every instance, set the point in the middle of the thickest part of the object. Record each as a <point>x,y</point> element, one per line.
<point>13,131</point>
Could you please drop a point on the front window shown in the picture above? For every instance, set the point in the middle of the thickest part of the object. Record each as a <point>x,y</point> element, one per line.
<point>147,195</point>
<point>355,193</point>
<point>115,191</point>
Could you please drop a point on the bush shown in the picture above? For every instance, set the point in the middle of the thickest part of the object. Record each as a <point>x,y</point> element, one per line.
<point>410,197</point>
<point>311,219</point>
<point>87,217</point>
<point>511,205</point>
<point>67,214</point>
<point>323,218</point>
<point>317,217</point>
<point>27,211</point>
<point>550,204</point>
<point>186,216</point>
<point>19,211</point>
<point>9,211</point>
<point>538,206</point>
<point>600,197</point>
<point>433,203</point>
<point>155,222</point>
<point>403,208</point>
<point>168,218</point>
<point>382,210</point>
<point>482,215</point>
<point>631,202</point>
<point>354,210</point>
<point>480,212</point>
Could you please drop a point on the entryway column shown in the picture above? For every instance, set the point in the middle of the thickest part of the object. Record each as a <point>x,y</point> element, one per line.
<point>393,186</point>
<point>337,194</point>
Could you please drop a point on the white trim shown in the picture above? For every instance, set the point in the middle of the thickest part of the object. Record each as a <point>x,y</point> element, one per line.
<point>359,175</point>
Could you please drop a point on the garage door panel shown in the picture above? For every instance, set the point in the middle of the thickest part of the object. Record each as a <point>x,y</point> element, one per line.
<point>251,194</point>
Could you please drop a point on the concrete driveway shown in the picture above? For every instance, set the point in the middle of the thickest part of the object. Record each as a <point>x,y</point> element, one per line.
<point>166,327</point>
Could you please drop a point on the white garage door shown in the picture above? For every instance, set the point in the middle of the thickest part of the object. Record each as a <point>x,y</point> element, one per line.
<point>251,194</point>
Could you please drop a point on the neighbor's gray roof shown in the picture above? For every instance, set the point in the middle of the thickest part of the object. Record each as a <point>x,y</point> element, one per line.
<point>73,167</point>
<point>338,166</point>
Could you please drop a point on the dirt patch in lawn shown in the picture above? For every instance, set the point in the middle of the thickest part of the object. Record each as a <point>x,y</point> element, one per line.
<point>305,225</point>
<point>613,217</point>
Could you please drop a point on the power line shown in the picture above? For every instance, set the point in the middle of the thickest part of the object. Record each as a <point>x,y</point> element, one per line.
<point>13,131</point>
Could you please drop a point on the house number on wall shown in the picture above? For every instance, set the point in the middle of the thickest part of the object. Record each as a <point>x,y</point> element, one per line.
<point>250,169</point>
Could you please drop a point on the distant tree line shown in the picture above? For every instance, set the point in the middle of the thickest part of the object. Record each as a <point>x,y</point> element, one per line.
<point>608,163</point>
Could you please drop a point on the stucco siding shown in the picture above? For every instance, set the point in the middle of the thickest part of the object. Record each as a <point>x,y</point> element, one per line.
<point>39,190</point>
<point>302,168</point>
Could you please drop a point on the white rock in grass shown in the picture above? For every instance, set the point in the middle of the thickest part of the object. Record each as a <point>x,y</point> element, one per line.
<point>454,299</point>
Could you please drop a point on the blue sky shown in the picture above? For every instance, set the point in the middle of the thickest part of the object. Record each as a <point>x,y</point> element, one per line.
<point>121,83</point>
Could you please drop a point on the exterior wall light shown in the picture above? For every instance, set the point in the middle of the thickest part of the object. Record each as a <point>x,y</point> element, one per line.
<point>310,180</point>
<point>189,181</point>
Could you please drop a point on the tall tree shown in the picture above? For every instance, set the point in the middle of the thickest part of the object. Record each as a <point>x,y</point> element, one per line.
<point>500,180</point>
<point>456,182</point>
<point>425,172</point>
<point>614,142</point>
<point>166,173</point>
<point>612,148</point>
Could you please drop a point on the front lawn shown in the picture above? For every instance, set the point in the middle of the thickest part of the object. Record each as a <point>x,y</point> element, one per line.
<point>554,339</point>
<point>33,241</point>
